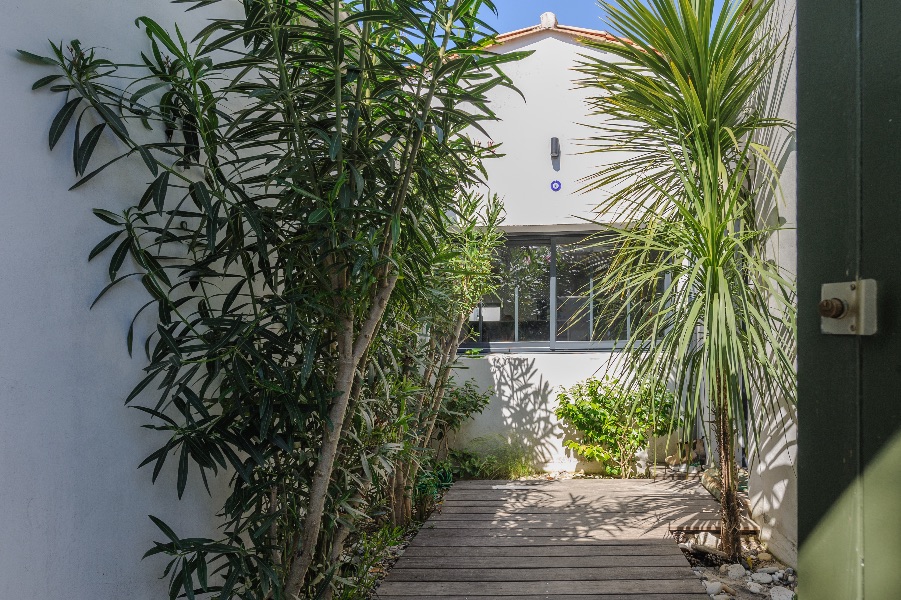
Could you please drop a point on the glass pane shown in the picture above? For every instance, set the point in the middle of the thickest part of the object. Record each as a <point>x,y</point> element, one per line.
<point>497,313</point>
<point>575,287</point>
<point>580,307</point>
<point>530,272</point>
<point>525,272</point>
<point>470,333</point>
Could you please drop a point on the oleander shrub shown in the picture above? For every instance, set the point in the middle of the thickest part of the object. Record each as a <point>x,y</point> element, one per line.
<point>307,208</point>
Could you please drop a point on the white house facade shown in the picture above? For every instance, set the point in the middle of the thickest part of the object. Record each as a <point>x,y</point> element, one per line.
<point>536,334</point>
<point>539,332</point>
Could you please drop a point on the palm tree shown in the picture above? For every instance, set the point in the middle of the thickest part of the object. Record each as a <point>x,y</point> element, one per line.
<point>685,97</point>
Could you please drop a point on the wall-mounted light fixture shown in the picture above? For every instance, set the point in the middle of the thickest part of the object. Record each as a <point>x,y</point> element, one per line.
<point>555,147</point>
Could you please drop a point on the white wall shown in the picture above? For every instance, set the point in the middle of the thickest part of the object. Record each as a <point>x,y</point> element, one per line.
<point>773,485</point>
<point>74,504</point>
<point>524,399</point>
<point>554,107</point>
<point>526,384</point>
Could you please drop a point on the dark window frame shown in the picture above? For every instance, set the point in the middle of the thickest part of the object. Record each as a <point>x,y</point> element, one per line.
<point>553,240</point>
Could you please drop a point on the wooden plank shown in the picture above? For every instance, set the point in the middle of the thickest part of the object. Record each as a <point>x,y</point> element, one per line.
<point>443,561</point>
<point>604,484</point>
<point>540,496</point>
<point>578,482</point>
<point>747,526</point>
<point>566,527</point>
<point>582,501</point>
<point>458,541</point>
<point>458,514</point>
<point>547,551</point>
<point>613,532</point>
<point>405,573</point>
<point>696,489</point>
<point>574,541</point>
<point>554,588</point>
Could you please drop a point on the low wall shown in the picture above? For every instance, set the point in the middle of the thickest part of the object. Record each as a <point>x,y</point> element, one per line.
<point>525,396</point>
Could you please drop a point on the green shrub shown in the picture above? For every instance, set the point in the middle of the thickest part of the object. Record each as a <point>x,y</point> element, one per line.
<point>493,457</point>
<point>362,570</point>
<point>432,481</point>
<point>615,420</point>
<point>461,403</point>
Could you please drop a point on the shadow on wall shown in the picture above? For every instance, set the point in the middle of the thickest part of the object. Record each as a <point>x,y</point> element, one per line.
<point>773,483</point>
<point>521,408</point>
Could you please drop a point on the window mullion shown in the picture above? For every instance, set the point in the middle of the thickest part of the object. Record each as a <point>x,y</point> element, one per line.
<point>591,308</point>
<point>516,314</point>
<point>629,319</point>
<point>553,298</point>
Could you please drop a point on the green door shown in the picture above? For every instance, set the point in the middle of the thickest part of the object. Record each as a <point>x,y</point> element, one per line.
<point>849,228</point>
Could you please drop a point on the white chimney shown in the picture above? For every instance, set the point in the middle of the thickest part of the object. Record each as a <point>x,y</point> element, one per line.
<point>548,20</point>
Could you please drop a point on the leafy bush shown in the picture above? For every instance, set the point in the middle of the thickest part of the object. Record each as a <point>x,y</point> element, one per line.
<point>362,571</point>
<point>431,483</point>
<point>461,403</point>
<point>615,420</point>
<point>493,457</point>
<point>436,474</point>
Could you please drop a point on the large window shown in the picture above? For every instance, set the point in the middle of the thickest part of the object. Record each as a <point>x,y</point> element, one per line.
<point>547,298</point>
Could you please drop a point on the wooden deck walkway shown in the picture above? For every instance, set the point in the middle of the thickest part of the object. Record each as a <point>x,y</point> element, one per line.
<point>574,540</point>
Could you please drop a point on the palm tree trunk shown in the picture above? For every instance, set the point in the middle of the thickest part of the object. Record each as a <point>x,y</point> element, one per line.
<point>730,523</point>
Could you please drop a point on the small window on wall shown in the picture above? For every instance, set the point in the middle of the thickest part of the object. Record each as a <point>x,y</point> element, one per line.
<point>547,298</point>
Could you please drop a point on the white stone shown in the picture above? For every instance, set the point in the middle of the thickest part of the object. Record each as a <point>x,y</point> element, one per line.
<point>548,20</point>
<point>764,556</point>
<point>778,574</point>
<point>724,569</point>
<point>755,588</point>
<point>736,571</point>
<point>722,597</point>
<point>768,570</point>
<point>762,577</point>
<point>713,587</point>
<point>781,593</point>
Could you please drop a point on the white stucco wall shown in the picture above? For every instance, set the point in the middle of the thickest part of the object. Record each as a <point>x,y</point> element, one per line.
<point>526,384</point>
<point>74,504</point>
<point>773,485</point>
<point>524,399</point>
<point>554,107</point>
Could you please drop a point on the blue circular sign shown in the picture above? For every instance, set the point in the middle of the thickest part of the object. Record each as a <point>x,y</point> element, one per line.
<point>556,186</point>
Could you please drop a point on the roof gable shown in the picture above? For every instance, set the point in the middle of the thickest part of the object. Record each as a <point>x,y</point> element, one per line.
<point>549,24</point>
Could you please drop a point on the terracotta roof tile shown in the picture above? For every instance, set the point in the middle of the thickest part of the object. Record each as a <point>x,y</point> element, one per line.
<point>565,29</point>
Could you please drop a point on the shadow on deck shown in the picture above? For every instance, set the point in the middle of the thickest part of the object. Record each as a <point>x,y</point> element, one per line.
<point>576,539</point>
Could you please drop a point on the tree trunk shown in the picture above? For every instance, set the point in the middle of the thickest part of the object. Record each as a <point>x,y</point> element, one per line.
<point>730,524</point>
<point>447,364</point>
<point>443,356</point>
<point>401,511</point>
<point>351,352</point>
